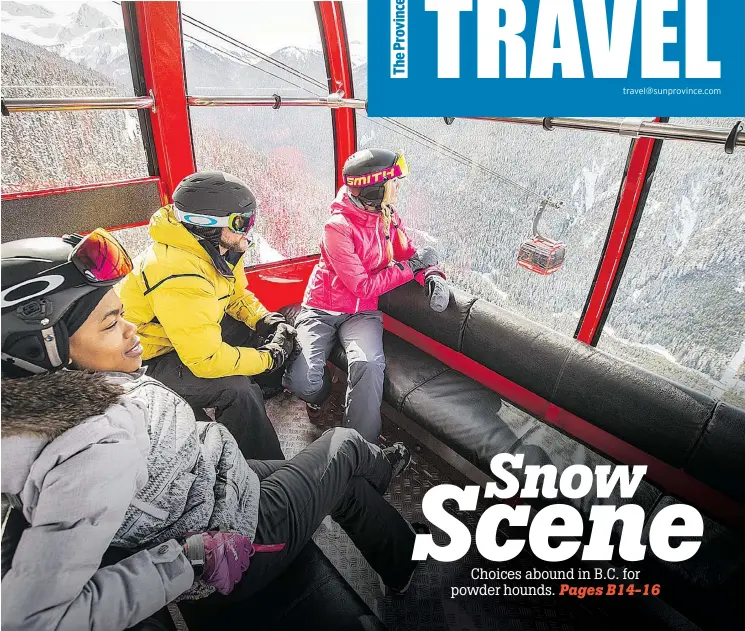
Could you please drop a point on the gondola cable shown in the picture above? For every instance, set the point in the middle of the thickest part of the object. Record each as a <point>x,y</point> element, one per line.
<point>250,49</point>
<point>244,62</point>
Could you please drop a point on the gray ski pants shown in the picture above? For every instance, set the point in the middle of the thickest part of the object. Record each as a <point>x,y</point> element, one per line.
<point>361,335</point>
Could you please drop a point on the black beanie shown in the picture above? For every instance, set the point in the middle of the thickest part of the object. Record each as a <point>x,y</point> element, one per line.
<point>82,308</point>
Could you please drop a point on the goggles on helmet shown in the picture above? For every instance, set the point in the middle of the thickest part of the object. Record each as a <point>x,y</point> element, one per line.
<point>399,169</point>
<point>97,259</point>
<point>237,222</point>
<point>100,258</point>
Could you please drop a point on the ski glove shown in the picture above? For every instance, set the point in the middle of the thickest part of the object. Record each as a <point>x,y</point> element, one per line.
<point>284,336</point>
<point>219,558</point>
<point>438,292</point>
<point>268,324</point>
<point>280,346</point>
<point>422,259</point>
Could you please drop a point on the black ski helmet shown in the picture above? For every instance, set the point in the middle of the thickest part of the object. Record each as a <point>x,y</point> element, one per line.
<point>34,300</point>
<point>364,163</point>
<point>212,193</point>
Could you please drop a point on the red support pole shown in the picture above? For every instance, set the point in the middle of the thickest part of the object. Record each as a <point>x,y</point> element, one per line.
<point>606,278</point>
<point>159,26</point>
<point>336,48</point>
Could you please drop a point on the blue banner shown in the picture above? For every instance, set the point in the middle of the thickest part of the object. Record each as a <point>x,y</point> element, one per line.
<point>635,58</point>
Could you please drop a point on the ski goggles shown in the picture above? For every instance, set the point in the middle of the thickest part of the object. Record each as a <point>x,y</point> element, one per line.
<point>97,259</point>
<point>397,170</point>
<point>100,258</point>
<point>237,222</point>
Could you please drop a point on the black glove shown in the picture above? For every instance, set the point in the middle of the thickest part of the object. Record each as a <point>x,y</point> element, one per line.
<point>423,259</point>
<point>438,292</point>
<point>285,336</point>
<point>268,324</point>
<point>278,355</point>
<point>280,346</point>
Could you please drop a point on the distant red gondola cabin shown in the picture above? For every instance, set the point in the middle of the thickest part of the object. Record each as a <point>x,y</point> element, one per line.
<point>541,255</point>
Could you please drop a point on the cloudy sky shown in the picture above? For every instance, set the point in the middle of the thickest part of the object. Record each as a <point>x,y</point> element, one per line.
<point>265,24</point>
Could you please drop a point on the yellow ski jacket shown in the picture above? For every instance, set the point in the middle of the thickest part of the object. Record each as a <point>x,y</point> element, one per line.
<point>177,297</point>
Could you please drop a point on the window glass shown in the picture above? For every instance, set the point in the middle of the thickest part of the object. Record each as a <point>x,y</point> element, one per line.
<point>680,306</point>
<point>135,240</point>
<point>56,49</point>
<point>287,162</point>
<point>475,187</point>
<point>66,49</point>
<point>55,149</point>
<point>253,48</point>
<point>286,156</point>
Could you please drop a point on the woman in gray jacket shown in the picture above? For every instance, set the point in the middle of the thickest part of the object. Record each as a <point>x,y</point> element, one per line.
<point>102,455</point>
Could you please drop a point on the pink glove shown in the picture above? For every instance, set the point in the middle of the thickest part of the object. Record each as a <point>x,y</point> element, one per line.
<point>221,556</point>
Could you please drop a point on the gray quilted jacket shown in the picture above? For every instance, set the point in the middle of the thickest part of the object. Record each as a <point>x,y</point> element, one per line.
<point>95,460</point>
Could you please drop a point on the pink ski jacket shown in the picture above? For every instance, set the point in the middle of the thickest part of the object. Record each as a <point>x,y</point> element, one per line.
<point>354,268</point>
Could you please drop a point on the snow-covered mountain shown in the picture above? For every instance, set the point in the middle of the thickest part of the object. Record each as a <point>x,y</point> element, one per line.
<point>26,10</point>
<point>87,36</point>
<point>97,41</point>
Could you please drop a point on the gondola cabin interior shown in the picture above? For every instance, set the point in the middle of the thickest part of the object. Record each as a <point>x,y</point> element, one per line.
<point>619,339</point>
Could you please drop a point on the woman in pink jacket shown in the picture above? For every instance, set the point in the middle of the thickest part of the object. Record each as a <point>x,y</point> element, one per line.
<point>365,252</point>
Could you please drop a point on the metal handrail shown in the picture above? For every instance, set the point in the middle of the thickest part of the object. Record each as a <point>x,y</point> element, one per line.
<point>13,105</point>
<point>635,127</point>
<point>276,101</point>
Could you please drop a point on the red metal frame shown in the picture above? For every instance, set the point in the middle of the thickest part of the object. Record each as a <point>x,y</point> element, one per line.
<point>159,26</point>
<point>628,206</point>
<point>336,46</point>
<point>280,284</point>
<point>83,187</point>
<point>675,481</point>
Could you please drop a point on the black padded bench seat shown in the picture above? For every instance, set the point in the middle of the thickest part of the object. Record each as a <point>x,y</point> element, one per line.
<point>676,425</point>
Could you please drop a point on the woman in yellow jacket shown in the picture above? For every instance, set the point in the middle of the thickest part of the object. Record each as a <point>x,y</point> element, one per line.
<point>203,334</point>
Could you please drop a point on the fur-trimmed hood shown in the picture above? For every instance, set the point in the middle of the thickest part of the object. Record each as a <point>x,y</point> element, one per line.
<point>46,406</point>
<point>37,410</point>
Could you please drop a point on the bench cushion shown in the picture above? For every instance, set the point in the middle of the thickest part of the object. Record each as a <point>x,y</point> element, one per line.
<point>637,406</point>
<point>409,304</point>
<point>474,422</point>
<point>526,353</point>
<point>719,457</point>
<point>669,421</point>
